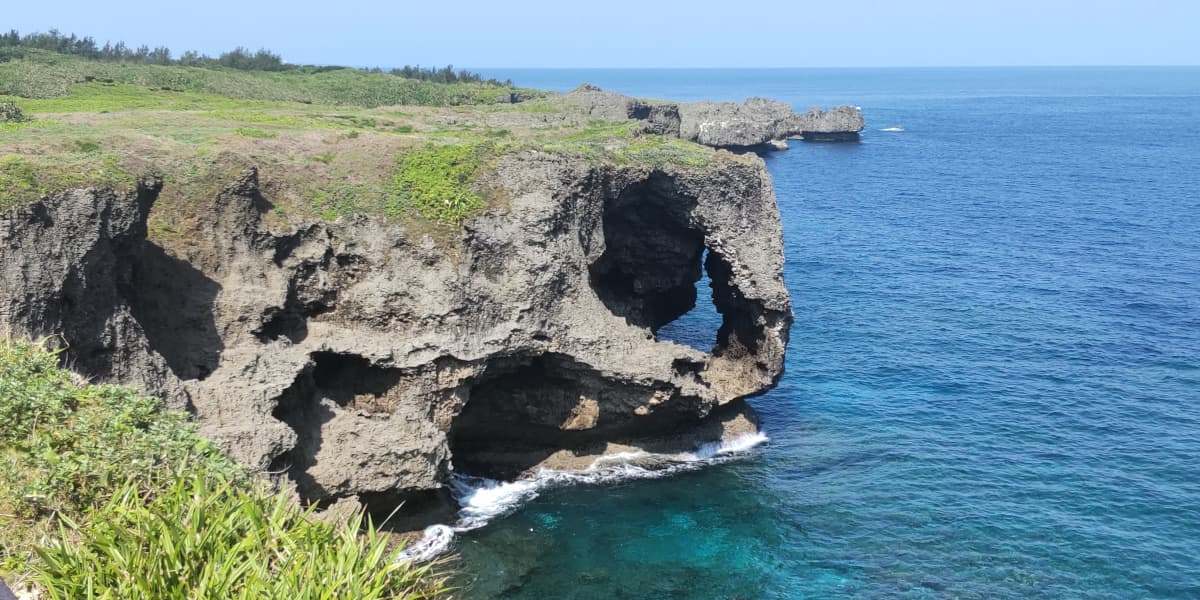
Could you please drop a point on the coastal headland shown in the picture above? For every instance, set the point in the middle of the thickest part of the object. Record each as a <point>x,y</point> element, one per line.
<point>351,297</point>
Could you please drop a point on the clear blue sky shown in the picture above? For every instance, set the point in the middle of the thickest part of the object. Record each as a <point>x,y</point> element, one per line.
<point>644,33</point>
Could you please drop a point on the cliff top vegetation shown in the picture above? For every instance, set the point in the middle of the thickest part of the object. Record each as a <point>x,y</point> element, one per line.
<point>328,142</point>
<point>239,58</point>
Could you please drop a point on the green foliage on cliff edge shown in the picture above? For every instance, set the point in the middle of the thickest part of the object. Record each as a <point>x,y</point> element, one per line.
<point>22,181</point>
<point>436,181</point>
<point>103,494</point>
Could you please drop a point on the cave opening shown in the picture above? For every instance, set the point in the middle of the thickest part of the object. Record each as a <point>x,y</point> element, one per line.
<point>523,402</point>
<point>655,270</point>
<point>350,380</point>
<point>521,410</point>
<point>697,328</point>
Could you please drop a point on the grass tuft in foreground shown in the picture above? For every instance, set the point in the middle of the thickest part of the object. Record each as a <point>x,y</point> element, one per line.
<point>103,494</point>
<point>206,537</point>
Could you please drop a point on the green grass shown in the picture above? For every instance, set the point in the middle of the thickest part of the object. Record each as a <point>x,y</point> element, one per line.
<point>256,133</point>
<point>37,74</point>
<point>66,446</point>
<point>344,199</point>
<point>87,145</point>
<point>103,494</point>
<point>436,181</point>
<point>97,124</point>
<point>204,537</point>
<point>23,179</point>
<point>657,151</point>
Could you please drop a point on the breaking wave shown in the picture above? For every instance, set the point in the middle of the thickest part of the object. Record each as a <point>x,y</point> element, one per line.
<point>483,500</point>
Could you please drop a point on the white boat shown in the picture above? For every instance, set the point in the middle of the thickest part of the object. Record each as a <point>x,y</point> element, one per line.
<point>893,128</point>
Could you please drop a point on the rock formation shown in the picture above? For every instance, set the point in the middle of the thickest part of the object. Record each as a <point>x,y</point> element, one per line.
<point>757,123</point>
<point>358,358</point>
<point>761,121</point>
<point>660,117</point>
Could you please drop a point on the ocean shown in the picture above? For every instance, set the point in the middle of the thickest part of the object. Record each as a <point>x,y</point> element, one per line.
<point>993,383</point>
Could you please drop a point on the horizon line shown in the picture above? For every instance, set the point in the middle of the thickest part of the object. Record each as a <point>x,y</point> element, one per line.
<point>778,68</point>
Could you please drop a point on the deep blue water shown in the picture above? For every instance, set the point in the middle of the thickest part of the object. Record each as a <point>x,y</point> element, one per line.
<point>993,384</point>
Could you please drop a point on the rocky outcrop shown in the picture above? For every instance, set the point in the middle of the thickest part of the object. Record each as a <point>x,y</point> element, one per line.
<point>660,117</point>
<point>761,121</point>
<point>357,358</point>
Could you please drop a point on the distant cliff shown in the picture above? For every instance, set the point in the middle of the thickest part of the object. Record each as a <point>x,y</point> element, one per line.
<point>756,123</point>
<point>761,121</point>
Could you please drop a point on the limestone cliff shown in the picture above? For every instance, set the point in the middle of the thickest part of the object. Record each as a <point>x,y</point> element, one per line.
<point>358,358</point>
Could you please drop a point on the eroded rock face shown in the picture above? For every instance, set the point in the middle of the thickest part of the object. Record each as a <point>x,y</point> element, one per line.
<point>68,270</point>
<point>354,358</point>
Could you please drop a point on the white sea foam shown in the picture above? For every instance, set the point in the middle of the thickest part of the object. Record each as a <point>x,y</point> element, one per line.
<point>483,500</point>
<point>436,540</point>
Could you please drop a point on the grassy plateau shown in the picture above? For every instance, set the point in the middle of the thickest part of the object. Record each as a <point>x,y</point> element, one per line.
<point>328,143</point>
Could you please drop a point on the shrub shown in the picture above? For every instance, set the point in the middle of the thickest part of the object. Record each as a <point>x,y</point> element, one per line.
<point>436,181</point>
<point>103,494</point>
<point>11,113</point>
<point>64,447</point>
<point>256,133</point>
<point>205,537</point>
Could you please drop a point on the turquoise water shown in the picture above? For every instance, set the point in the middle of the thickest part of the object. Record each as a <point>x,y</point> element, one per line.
<point>993,385</point>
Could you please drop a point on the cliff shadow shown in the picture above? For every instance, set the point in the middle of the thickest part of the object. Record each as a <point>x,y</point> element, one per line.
<point>301,408</point>
<point>174,303</point>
